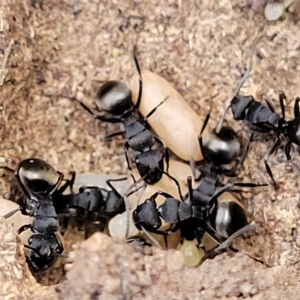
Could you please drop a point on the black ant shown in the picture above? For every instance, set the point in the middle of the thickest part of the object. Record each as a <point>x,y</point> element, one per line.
<point>38,179</point>
<point>262,118</point>
<point>219,219</point>
<point>95,204</point>
<point>44,245</point>
<point>199,211</point>
<point>114,101</point>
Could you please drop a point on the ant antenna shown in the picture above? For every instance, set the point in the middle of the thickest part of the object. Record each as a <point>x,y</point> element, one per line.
<point>63,255</point>
<point>244,78</point>
<point>190,191</point>
<point>139,98</point>
<point>11,213</point>
<point>153,240</point>
<point>226,244</point>
<point>6,168</point>
<point>127,206</point>
<point>31,248</point>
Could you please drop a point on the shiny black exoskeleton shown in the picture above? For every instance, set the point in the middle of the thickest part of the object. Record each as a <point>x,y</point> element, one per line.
<point>263,118</point>
<point>37,179</point>
<point>93,205</point>
<point>114,101</point>
<point>219,148</point>
<point>44,245</point>
<point>220,220</point>
<point>200,210</point>
<point>177,214</point>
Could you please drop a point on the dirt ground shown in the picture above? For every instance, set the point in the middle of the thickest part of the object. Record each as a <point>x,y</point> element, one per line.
<point>201,47</point>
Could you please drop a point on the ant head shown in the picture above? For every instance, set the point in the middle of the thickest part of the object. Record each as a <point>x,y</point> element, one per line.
<point>114,97</point>
<point>147,216</point>
<point>42,251</point>
<point>37,177</point>
<point>221,148</point>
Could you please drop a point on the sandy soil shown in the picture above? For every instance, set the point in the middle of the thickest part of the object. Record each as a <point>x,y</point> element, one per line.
<point>202,49</point>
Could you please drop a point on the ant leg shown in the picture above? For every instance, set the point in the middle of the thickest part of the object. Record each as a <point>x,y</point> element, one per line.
<point>200,136</point>
<point>60,179</point>
<point>6,168</point>
<point>72,180</point>
<point>23,228</point>
<point>266,158</point>
<point>155,108</point>
<point>108,182</point>
<point>142,187</point>
<point>193,167</point>
<point>60,247</point>
<point>139,99</point>
<point>190,191</point>
<point>230,187</point>
<point>126,147</point>
<point>199,233</point>
<point>287,150</point>
<point>244,155</point>
<point>267,100</point>
<point>68,183</point>
<point>177,184</point>
<point>194,170</point>
<point>111,118</point>
<point>111,135</point>
<point>127,206</point>
<point>226,244</point>
<point>63,221</point>
<point>152,239</point>
<point>282,97</point>
<point>141,193</point>
<point>164,194</point>
<point>167,156</point>
<point>296,107</point>
<point>11,213</point>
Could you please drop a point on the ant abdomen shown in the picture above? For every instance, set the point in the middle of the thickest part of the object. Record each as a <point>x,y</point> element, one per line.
<point>114,97</point>
<point>222,147</point>
<point>229,218</point>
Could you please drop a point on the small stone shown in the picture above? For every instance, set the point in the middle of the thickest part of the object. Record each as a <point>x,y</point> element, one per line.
<point>273,11</point>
